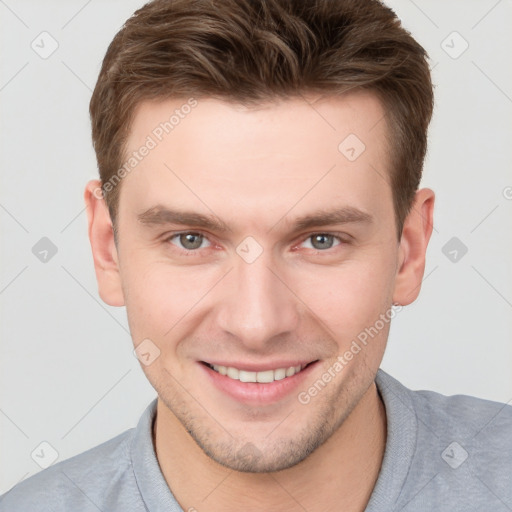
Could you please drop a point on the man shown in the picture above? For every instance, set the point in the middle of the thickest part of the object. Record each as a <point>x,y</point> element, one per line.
<point>259,216</point>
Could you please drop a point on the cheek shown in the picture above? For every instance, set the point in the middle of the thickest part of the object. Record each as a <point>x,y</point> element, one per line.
<point>350,298</point>
<point>160,299</point>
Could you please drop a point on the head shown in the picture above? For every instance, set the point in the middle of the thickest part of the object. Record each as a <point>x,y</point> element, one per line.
<point>258,207</point>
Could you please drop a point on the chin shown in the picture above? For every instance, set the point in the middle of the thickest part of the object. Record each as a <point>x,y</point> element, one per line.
<point>249,459</point>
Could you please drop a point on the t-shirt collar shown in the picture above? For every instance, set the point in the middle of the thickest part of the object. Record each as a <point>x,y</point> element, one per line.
<point>151,483</point>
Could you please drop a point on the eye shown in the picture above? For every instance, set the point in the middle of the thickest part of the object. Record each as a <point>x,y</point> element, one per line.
<point>189,241</point>
<point>322,241</point>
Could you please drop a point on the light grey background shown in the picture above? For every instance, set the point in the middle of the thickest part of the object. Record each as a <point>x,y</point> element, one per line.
<point>67,373</point>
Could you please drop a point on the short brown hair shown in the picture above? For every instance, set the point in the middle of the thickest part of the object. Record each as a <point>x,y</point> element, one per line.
<point>253,51</point>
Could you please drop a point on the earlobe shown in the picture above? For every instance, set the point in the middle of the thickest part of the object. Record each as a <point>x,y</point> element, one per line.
<point>413,247</point>
<point>104,250</point>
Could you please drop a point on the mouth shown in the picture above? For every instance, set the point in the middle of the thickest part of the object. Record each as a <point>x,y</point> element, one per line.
<point>261,376</point>
<point>258,385</point>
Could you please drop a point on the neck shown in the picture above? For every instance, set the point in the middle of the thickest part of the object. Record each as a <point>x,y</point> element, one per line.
<point>339,475</point>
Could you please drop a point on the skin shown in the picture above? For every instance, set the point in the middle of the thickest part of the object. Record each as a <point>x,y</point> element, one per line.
<point>257,170</point>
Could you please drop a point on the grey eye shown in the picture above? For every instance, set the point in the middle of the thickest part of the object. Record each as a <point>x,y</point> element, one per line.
<point>322,241</point>
<point>190,241</point>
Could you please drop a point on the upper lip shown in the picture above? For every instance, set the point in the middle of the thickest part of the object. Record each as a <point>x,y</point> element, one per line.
<point>263,366</point>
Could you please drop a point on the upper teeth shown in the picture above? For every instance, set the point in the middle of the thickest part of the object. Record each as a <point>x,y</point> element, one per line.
<point>264,376</point>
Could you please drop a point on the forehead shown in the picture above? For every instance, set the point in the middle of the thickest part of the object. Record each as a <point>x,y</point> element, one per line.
<point>306,117</point>
<point>298,153</point>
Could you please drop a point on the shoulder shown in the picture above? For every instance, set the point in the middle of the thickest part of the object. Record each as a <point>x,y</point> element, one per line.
<point>466,415</point>
<point>469,429</point>
<point>79,483</point>
<point>456,414</point>
<point>471,440</point>
<point>460,450</point>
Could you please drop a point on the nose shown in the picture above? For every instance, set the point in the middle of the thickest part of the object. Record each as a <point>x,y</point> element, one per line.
<point>257,304</point>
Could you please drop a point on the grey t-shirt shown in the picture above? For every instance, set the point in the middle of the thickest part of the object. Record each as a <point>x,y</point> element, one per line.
<point>442,454</point>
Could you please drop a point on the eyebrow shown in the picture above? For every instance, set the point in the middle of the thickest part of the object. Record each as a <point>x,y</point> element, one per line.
<point>344,215</point>
<point>160,215</point>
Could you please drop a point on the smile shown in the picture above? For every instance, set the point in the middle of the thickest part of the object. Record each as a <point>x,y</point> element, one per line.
<point>264,376</point>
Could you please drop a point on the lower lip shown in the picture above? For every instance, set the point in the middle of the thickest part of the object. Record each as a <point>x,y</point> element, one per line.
<point>257,392</point>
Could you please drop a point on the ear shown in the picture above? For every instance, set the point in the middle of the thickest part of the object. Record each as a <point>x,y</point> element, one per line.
<point>413,247</point>
<point>104,250</point>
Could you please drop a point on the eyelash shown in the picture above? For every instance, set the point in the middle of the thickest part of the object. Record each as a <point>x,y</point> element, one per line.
<point>341,238</point>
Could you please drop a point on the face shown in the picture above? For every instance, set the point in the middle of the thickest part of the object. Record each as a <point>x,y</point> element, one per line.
<point>258,245</point>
